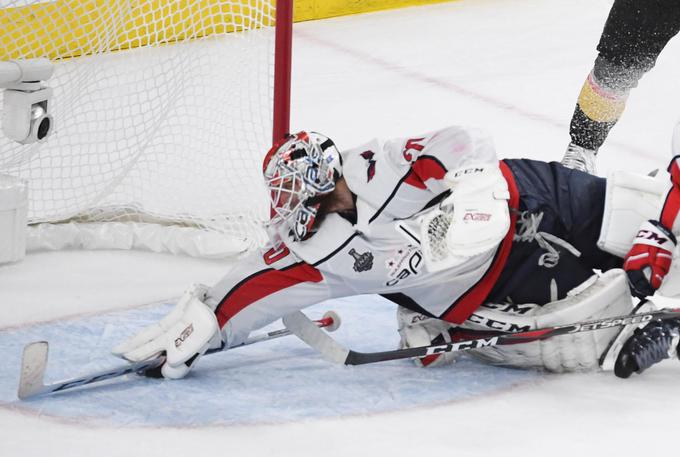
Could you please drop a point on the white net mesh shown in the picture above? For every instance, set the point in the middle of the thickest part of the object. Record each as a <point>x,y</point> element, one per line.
<point>162,111</point>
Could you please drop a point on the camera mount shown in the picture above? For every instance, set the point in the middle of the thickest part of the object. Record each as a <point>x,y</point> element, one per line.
<point>25,117</point>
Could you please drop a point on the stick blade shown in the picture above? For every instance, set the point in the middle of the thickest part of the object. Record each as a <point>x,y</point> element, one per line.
<point>33,364</point>
<point>307,331</point>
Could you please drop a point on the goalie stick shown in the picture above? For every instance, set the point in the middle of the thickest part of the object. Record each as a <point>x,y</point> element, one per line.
<point>34,362</point>
<point>333,351</point>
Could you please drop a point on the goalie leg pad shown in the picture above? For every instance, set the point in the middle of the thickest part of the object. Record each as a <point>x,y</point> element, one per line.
<point>417,330</point>
<point>630,200</point>
<point>606,295</point>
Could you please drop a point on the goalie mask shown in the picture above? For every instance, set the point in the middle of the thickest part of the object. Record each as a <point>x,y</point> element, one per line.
<point>298,171</point>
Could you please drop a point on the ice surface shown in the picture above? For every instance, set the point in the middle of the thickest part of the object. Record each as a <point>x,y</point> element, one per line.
<point>514,68</point>
<point>272,382</point>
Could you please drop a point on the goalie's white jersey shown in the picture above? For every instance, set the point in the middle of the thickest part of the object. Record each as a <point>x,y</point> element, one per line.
<point>379,252</point>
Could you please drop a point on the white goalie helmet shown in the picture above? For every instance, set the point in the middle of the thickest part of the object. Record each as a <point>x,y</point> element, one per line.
<point>298,171</point>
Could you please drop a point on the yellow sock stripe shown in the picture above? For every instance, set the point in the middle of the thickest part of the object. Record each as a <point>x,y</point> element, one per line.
<point>599,105</point>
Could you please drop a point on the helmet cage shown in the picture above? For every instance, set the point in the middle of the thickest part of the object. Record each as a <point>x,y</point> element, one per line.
<point>296,173</point>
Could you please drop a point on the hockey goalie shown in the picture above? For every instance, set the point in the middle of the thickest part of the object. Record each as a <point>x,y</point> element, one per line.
<point>463,243</point>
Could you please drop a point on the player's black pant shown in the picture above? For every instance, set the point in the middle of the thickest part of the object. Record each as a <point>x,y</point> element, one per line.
<point>636,32</point>
<point>634,35</point>
<point>572,205</point>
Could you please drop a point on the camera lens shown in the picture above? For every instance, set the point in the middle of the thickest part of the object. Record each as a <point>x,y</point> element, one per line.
<point>43,128</point>
<point>37,110</point>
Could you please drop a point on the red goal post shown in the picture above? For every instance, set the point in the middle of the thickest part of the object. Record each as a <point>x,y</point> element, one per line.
<point>283,68</point>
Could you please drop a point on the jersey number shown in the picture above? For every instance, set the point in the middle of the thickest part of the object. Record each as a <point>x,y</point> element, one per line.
<point>274,255</point>
<point>412,144</point>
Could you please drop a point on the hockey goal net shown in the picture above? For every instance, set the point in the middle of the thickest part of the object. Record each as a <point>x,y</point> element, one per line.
<point>163,110</point>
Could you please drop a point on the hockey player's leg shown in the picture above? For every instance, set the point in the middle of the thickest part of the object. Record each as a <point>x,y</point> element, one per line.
<point>601,296</point>
<point>633,37</point>
<point>606,295</point>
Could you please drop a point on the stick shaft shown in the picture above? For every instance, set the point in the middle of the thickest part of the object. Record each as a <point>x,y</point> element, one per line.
<point>361,358</point>
<point>141,367</point>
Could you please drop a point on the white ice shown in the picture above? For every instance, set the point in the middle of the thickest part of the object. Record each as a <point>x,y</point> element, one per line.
<point>514,68</point>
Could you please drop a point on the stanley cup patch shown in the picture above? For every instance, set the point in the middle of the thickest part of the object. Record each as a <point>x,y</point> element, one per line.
<point>362,262</point>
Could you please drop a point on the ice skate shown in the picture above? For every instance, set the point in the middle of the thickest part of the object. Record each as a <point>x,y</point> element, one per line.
<point>580,158</point>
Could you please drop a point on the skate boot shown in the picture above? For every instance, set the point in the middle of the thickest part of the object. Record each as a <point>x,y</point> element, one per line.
<point>648,345</point>
<point>580,158</point>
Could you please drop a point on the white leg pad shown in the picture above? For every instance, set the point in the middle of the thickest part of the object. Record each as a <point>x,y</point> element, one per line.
<point>603,296</point>
<point>416,330</point>
<point>630,200</point>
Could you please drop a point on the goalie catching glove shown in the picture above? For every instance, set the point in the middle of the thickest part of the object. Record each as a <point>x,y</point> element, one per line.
<point>182,336</point>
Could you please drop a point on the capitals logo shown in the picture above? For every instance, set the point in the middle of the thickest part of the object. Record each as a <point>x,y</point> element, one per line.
<point>370,171</point>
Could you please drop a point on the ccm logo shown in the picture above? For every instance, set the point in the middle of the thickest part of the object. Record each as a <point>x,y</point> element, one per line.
<point>482,217</point>
<point>462,346</point>
<point>498,325</point>
<point>184,335</point>
<point>649,235</point>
